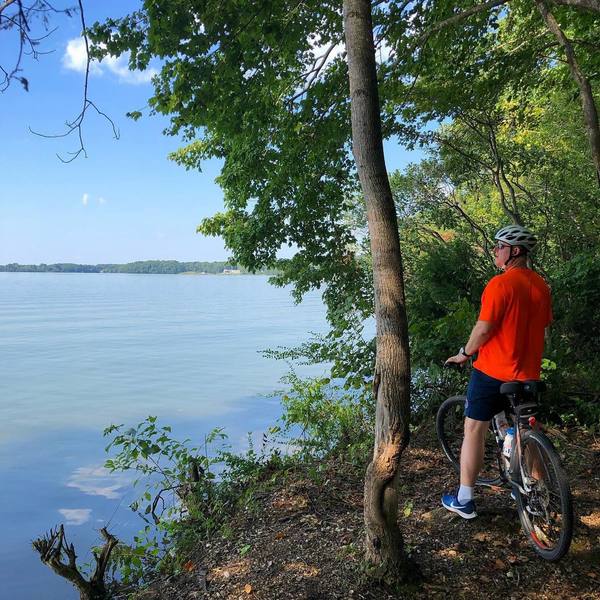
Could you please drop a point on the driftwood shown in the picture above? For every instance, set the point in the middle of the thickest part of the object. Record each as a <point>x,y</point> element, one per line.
<point>56,553</point>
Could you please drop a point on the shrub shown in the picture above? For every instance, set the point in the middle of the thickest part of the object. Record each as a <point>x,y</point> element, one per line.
<point>327,419</point>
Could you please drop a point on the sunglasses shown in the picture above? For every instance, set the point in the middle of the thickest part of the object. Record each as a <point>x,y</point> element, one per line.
<point>500,246</point>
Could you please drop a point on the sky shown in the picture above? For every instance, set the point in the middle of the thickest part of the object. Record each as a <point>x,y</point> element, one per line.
<point>124,202</point>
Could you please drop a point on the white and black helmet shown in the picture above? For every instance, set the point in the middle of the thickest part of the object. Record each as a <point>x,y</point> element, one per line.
<point>517,235</point>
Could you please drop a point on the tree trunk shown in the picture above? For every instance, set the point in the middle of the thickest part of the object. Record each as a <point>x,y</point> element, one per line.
<point>59,555</point>
<point>590,113</point>
<point>384,545</point>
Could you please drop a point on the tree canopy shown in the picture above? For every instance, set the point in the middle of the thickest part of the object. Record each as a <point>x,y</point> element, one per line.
<point>486,89</point>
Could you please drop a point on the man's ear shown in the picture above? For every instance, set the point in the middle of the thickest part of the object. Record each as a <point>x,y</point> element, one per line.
<point>517,251</point>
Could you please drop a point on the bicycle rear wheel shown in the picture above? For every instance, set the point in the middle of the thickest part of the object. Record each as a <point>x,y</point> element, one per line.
<point>450,430</point>
<point>546,512</point>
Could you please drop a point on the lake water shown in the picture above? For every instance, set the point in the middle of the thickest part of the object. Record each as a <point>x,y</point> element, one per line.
<point>81,351</point>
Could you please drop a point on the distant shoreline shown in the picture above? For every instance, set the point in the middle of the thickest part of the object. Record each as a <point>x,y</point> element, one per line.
<point>143,267</point>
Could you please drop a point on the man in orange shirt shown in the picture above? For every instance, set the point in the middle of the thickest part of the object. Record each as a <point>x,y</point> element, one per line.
<point>509,340</point>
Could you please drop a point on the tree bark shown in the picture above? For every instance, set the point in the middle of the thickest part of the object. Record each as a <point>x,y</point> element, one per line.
<point>384,544</point>
<point>590,113</point>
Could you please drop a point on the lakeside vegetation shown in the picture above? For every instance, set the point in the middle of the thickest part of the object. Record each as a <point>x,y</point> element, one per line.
<point>151,267</point>
<point>511,87</point>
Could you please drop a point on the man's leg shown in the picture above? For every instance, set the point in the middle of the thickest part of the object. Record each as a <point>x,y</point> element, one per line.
<point>471,461</point>
<point>480,407</point>
<point>472,450</point>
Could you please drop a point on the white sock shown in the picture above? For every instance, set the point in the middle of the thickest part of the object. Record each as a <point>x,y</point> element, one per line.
<point>465,493</point>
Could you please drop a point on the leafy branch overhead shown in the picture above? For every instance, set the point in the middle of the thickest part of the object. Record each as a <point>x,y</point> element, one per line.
<point>462,56</point>
<point>485,88</point>
<point>263,87</point>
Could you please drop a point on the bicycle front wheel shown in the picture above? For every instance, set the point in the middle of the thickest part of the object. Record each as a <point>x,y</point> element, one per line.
<point>449,424</point>
<point>546,511</point>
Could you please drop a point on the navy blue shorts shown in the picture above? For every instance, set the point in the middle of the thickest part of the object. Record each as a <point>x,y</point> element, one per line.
<point>483,397</point>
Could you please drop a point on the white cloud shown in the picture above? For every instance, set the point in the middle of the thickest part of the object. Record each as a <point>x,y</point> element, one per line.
<point>74,59</point>
<point>99,481</point>
<point>118,66</point>
<point>85,199</point>
<point>101,200</point>
<point>76,516</point>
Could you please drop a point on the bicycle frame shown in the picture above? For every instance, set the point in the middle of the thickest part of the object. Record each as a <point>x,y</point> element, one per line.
<point>546,513</point>
<point>523,416</point>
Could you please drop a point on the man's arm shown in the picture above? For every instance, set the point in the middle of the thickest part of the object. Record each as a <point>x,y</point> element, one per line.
<point>482,331</point>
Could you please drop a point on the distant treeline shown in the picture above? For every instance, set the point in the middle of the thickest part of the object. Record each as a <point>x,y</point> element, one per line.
<point>143,266</point>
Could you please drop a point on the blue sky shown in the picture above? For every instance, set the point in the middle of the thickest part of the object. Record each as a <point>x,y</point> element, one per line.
<point>126,201</point>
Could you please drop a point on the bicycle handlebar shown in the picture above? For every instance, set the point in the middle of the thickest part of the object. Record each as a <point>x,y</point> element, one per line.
<point>450,365</point>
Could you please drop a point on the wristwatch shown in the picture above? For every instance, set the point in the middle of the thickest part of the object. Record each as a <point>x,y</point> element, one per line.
<point>462,351</point>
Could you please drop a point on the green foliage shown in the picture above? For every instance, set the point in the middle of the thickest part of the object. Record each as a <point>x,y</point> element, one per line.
<point>327,419</point>
<point>575,409</point>
<point>576,288</point>
<point>188,492</point>
<point>431,385</point>
<point>349,353</point>
<point>177,484</point>
<point>443,288</point>
<point>451,206</point>
<point>573,357</point>
<point>490,98</point>
<point>231,88</point>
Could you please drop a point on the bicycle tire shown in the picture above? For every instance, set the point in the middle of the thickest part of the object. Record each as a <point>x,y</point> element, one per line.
<point>449,424</point>
<point>561,499</point>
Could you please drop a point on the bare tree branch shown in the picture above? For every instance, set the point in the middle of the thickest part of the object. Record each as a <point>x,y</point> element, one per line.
<point>56,553</point>
<point>499,176</point>
<point>433,233</point>
<point>496,168</point>
<point>318,66</point>
<point>593,5</point>
<point>19,19</point>
<point>6,4</point>
<point>475,228</point>
<point>75,126</point>
<point>461,16</point>
<point>102,560</point>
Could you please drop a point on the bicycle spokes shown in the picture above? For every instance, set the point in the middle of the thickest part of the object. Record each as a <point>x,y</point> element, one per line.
<point>543,507</point>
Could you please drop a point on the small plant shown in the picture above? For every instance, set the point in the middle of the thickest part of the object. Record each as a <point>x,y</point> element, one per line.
<point>324,418</point>
<point>188,491</point>
<point>178,487</point>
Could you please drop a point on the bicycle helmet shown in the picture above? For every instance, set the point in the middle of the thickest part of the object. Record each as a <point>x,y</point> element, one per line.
<point>517,235</point>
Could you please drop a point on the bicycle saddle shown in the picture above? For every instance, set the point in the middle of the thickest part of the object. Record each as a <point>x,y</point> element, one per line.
<point>528,387</point>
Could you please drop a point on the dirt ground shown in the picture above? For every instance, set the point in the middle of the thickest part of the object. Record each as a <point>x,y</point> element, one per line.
<point>304,541</point>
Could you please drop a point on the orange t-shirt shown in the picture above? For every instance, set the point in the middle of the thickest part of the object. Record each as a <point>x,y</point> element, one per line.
<point>518,304</point>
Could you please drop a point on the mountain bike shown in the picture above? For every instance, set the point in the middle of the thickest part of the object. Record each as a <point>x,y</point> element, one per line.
<point>533,469</point>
